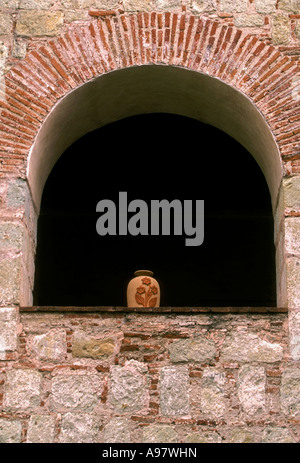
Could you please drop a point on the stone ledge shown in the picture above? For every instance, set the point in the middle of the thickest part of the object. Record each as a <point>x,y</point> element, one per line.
<point>156,310</point>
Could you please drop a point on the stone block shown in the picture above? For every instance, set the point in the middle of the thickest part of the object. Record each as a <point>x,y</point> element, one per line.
<point>248,347</point>
<point>9,320</point>
<point>50,346</point>
<point>293,281</point>
<point>16,193</point>
<point>290,392</point>
<point>203,437</point>
<point>79,428</point>
<point>174,390</point>
<point>292,6</point>
<point>6,24</point>
<point>91,347</point>
<point>252,389</point>
<point>76,392</point>
<point>10,278</point>
<point>292,235</point>
<point>232,6</point>
<point>294,333</point>
<point>12,4</point>
<point>35,4</point>
<point>288,201</point>
<point>138,5</point>
<point>11,236</point>
<point>199,349</point>
<point>41,429</point>
<point>117,431</point>
<point>81,4</point>
<point>203,6</point>
<point>281,29</point>
<point>157,434</point>
<point>22,389</point>
<point>276,435</point>
<point>249,20</point>
<point>212,402</point>
<point>39,23</point>
<point>265,6</point>
<point>129,387</point>
<point>240,436</point>
<point>10,431</point>
<point>168,5</point>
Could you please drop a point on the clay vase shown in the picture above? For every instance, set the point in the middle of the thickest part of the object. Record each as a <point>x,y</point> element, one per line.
<point>143,290</point>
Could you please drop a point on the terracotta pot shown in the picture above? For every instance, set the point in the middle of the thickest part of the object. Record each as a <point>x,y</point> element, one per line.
<point>143,290</point>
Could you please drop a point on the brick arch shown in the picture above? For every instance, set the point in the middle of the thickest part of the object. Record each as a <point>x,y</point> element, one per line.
<point>117,41</point>
<point>250,78</point>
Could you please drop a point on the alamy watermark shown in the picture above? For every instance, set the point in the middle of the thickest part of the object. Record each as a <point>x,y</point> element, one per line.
<point>163,218</point>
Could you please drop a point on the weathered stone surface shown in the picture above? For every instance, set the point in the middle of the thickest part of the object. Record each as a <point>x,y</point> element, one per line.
<point>281,29</point>
<point>117,431</point>
<point>87,346</point>
<point>232,6</point>
<point>51,345</point>
<point>159,434</point>
<point>8,329</point>
<point>249,20</point>
<point>277,435</point>
<point>41,429</point>
<point>16,193</point>
<point>35,4</point>
<point>138,5</point>
<point>10,431</point>
<point>128,386</point>
<point>168,5</point>
<point>290,193</point>
<point>265,6</point>
<point>198,349</point>
<point>203,6</point>
<point>294,333</point>
<point>203,438</point>
<point>292,235</point>
<point>240,436</point>
<point>9,4</point>
<point>290,392</point>
<point>212,400</point>
<point>6,24</point>
<point>251,389</point>
<point>10,276</point>
<point>174,390</point>
<point>79,428</point>
<point>289,5</point>
<point>101,4</point>
<point>293,281</point>
<point>39,23</point>
<point>248,347</point>
<point>11,235</point>
<point>77,392</point>
<point>22,388</point>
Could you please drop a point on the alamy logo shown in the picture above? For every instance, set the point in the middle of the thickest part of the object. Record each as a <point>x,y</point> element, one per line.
<point>163,218</point>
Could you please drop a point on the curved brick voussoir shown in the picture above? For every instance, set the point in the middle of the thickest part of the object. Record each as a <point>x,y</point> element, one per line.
<point>119,40</point>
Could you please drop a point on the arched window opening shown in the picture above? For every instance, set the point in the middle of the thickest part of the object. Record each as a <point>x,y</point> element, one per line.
<point>156,156</point>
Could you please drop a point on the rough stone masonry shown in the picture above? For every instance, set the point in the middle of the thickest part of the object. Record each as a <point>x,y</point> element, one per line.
<point>137,377</point>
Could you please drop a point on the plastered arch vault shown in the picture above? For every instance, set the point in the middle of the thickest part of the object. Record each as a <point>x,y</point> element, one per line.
<point>96,71</point>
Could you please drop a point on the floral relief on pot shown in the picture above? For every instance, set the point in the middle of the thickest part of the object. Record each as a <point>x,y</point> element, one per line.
<point>143,290</point>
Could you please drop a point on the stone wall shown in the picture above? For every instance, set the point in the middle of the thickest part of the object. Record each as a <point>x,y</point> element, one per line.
<point>166,376</point>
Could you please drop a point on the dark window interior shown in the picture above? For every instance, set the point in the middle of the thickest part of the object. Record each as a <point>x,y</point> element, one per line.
<point>156,156</point>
